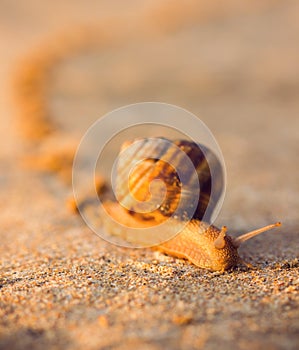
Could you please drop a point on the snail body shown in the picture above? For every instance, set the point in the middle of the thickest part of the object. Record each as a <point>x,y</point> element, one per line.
<point>204,245</point>
<point>196,242</point>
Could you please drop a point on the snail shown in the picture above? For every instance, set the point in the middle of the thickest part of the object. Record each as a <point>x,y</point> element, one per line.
<point>203,244</point>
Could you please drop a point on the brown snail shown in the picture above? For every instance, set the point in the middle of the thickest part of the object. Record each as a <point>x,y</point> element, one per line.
<point>203,244</point>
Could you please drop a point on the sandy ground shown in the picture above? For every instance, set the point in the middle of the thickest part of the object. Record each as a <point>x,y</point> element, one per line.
<point>236,67</point>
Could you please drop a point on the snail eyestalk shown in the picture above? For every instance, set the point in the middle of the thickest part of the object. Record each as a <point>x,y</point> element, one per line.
<point>239,240</point>
<point>219,243</point>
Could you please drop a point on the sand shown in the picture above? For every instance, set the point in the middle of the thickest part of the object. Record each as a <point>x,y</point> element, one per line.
<point>62,286</point>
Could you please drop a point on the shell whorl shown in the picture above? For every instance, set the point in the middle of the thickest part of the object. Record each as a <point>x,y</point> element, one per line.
<point>172,192</point>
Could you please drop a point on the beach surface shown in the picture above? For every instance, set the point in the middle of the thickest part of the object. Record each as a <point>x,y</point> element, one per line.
<point>235,67</point>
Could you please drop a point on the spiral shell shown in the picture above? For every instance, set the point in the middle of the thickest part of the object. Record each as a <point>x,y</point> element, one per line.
<point>172,193</point>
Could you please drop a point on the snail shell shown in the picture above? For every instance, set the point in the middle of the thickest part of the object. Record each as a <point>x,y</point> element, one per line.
<point>166,157</point>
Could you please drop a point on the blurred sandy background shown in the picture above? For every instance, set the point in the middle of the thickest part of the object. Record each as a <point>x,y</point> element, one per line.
<point>235,65</point>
